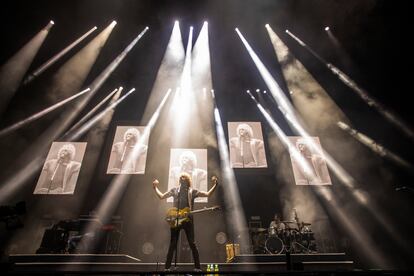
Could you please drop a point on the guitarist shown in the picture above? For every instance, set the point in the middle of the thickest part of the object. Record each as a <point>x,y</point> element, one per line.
<point>184,196</point>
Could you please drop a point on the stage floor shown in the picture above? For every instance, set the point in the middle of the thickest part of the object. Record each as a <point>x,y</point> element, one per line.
<point>124,264</point>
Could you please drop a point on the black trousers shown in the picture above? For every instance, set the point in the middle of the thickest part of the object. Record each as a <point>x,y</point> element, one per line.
<point>189,232</point>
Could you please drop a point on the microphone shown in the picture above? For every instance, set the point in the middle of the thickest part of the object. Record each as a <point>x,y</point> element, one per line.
<point>54,172</point>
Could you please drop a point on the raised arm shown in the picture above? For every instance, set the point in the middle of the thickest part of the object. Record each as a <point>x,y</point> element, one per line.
<point>157,191</point>
<point>207,194</point>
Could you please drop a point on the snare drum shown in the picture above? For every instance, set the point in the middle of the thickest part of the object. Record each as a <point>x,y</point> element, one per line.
<point>274,245</point>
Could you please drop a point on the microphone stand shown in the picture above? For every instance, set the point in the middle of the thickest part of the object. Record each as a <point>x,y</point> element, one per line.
<point>53,176</point>
<point>179,230</point>
<point>123,156</point>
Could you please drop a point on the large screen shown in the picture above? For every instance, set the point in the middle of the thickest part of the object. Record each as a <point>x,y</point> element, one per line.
<point>193,162</point>
<point>129,150</point>
<point>313,160</point>
<point>61,169</point>
<point>246,145</point>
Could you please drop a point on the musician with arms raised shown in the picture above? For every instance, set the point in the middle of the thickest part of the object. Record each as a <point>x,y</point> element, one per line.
<point>184,197</point>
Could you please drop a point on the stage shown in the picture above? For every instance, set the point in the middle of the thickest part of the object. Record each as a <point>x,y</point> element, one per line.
<point>256,127</point>
<point>124,264</point>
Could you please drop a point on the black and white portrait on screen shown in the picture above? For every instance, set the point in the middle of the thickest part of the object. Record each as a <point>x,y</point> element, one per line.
<point>315,162</point>
<point>246,145</point>
<point>61,169</point>
<point>129,151</point>
<point>193,162</point>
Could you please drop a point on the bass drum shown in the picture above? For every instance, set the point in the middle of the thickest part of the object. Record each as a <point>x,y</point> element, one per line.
<point>274,245</point>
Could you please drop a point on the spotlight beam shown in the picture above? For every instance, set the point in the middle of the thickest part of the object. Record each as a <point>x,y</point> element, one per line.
<point>285,140</point>
<point>183,97</point>
<point>55,58</point>
<point>375,147</point>
<point>234,209</point>
<point>114,64</point>
<point>40,114</point>
<point>116,188</point>
<point>169,72</point>
<point>86,126</point>
<point>38,149</point>
<point>360,196</point>
<point>363,94</point>
<point>354,228</point>
<point>288,111</point>
<point>93,110</point>
<point>13,71</point>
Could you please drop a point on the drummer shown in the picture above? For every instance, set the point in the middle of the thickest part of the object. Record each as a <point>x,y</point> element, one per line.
<point>276,225</point>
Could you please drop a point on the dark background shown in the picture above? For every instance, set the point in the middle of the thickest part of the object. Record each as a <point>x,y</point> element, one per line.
<point>374,34</point>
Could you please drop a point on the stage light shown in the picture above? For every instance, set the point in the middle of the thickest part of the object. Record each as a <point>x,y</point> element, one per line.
<point>56,57</point>
<point>77,133</point>
<point>257,90</point>
<point>237,29</point>
<point>285,140</point>
<point>355,227</point>
<point>174,53</point>
<point>362,93</point>
<point>376,147</point>
<point>327,28</point>
<point>205,22</point>
<point>113,194</point>
<point>289,112</point>
<point>146,28</point>
<point>40,145</point>
<point>314,111</point>
<point>267,26</point>
<point>287,31</point>
<point>234,208</point>
<point>49,25</point>
<point>264,91</point>
<point>40,114</point>
<point>93,110</point>
<point>13,71</point>
<point>113,23</point>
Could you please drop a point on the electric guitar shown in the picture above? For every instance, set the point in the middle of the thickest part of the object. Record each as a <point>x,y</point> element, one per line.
<point>175,217</point>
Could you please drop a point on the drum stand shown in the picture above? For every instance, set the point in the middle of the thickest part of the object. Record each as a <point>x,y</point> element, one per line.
<point>305,250</point>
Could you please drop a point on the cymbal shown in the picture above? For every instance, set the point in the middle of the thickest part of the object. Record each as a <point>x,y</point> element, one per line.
<point>258,230</point>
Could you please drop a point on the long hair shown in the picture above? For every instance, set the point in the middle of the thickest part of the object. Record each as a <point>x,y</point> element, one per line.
<point>185,178</point>
<point>70,149</point>
<point>134,132</point>
<point>190,155</point>
<point>247,128</point>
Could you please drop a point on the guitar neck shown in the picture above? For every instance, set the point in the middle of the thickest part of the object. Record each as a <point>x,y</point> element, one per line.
<point>203,210</point>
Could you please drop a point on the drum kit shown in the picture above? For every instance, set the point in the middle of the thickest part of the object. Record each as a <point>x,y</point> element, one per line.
<point>293,237</point>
